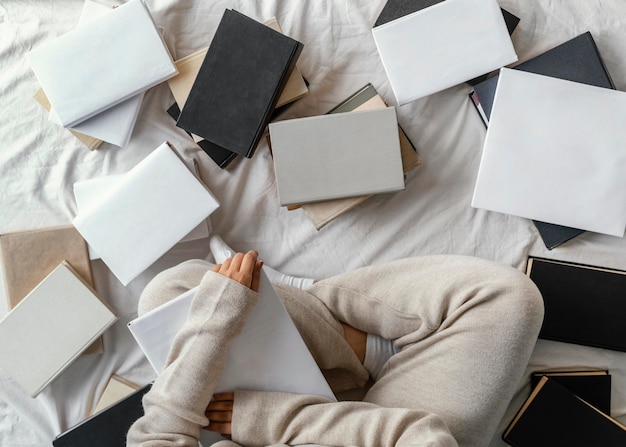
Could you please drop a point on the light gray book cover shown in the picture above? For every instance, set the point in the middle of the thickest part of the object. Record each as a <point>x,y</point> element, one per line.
<point>336,156</point>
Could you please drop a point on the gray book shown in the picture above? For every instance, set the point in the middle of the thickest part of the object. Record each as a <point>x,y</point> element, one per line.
<point>337,155</point>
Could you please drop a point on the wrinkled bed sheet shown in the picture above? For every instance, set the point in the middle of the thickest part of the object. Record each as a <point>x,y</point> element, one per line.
<point>39,162</point>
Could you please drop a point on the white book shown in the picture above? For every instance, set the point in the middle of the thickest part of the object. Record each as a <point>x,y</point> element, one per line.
<point>268,355</point>
<point>94,67</point>
<point>50,328</point>
<point>92,190</point>
<point>337,155</point>
<point>554,153</point>
<point>145,213</point>
<point>114,125</point>
<point>443,45</point>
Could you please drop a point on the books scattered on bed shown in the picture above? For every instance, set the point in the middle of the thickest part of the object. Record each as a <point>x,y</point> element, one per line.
<point>567,408</point>
<point>121,37</point>
<point>50,328</point>
<point>450,35</point>
<point>145,213</point>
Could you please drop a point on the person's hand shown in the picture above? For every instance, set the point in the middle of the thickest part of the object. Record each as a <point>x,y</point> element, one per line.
<point>243,268</point>
<point>220,414</point>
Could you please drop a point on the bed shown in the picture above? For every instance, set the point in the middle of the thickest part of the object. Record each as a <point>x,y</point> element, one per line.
<point>40,162</point>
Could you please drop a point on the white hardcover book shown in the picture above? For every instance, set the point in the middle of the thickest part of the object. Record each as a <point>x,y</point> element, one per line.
<point>268,355</point>
<point>443,45</point>
<point>92,190</point>
<point>337,155</point>
<point>95,67</point>
<point>145,213</point>
<point>50,327</point>
<point>114,125</point>
<point>554,153</point>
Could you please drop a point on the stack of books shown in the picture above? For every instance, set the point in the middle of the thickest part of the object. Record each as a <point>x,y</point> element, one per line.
<point>233,94</point>
<point>536,157</point>
<point>84,99</point>
<point>569,408</point>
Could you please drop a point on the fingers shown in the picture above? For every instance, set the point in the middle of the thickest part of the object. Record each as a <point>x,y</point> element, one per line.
<point>256,276</point>
<point>240,268</point>
<point>220,414</point>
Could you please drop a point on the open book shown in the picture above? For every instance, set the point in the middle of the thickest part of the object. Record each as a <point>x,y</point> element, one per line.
<point>268,355</point>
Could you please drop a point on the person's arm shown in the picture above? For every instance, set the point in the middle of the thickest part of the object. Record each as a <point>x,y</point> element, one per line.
<point>263,418</point>
<point>174,408</point>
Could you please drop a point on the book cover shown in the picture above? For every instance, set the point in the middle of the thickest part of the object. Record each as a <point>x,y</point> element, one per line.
<point>456,31</point>
<point>222,157</point>
<point>124,37</point>
<point>553,415</point>
<point>267,355</point>
<point>117,388</point>
<point>537,163</point>
<point>235,92</point>
<point>50,327</point>
<point>29,256</point>
<point>554,235</point>
<point>336,156</point>
<point>108,427</point>
<point>150,209</point>
<point>592,386</point>
<point>583,304</point>
<point>366,98</point>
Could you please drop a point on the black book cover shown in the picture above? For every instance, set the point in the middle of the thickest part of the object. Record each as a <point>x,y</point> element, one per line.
<point>222,157</point>
<point>554,235</point>
<point>593,387</point>
<point>107,428</point>
<point>583,304</point>
<point>576,60</point>
<point>240,80</point>
<point>554,416</point>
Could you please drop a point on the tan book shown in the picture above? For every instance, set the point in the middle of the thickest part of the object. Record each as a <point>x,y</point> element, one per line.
<point>117,388</point>
<point>91,142</point>
<point>367,98</point>
<point>50,328</point>
<point>29,256</point>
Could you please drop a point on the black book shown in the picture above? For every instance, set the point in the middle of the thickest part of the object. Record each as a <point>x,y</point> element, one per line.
<point>583,304</point>
<point>554,416</point>
<point>239,83</point>
<point>222,157</point>
<point>108,427</point>
<point>593,387</point>
<point>576,60</point>
<point>554,235</point>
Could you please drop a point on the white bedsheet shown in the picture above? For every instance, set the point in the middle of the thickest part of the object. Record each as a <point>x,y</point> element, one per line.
<point>39,162</point>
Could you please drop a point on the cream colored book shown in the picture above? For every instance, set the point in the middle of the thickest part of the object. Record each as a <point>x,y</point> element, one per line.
<point>50,327</point>
<point>117,388</point>
<point>150,209</point>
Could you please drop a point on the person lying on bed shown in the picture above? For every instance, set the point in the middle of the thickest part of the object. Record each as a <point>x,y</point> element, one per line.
<point>437,344</point>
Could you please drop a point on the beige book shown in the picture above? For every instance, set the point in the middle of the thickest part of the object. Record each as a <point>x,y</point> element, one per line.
<point>117,388</point>
<point>29,256</point>
<point>91,142</point>
<point>50,328</point>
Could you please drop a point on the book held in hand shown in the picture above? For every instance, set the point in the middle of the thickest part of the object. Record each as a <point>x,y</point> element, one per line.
<point>337,155</point>
<point>583,304</point>
<point>235,92</point>
<point>443,45</point>
<point>123,45</point>
<point>50,327</point>
<point>268,354</point>
<point>145,213</point>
